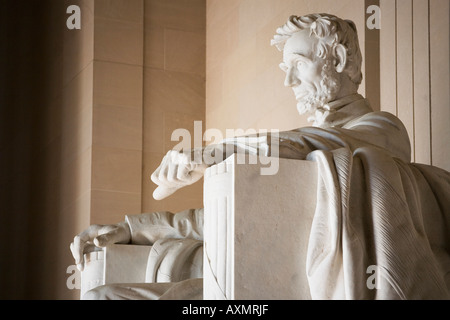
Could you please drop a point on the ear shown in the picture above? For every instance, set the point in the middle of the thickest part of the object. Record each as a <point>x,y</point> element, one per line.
<point>341,57</point>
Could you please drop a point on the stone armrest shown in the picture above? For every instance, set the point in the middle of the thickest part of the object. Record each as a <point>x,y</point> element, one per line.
<point>118,263</point>
<point>256,229</point>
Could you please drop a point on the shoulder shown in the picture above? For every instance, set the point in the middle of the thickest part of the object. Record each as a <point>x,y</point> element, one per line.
<point>388,129</point>
<point>379,119</point>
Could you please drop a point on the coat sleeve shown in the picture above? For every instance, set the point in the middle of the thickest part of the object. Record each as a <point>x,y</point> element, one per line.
<point>375,129</point>
<point>147,228</point>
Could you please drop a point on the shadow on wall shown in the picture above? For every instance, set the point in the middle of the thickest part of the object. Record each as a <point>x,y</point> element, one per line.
<point>30,150</point>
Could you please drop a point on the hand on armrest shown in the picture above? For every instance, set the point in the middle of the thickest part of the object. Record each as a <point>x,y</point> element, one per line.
<point>177,170</point>
<point>180,169</point>
<point>98,236</point>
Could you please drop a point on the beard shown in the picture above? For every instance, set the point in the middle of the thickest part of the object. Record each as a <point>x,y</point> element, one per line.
<point>320,93</point>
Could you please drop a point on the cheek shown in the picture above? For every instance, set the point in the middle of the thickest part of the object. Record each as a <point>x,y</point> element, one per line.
<point>309,77</point>
<point>313,73</point>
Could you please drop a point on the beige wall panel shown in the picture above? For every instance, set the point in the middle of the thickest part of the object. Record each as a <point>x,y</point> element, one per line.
<point>191,127</point>
<point>388,57</point>
<point>118,41</point>
<point>440,86</point>
<point>422,130</point>
<point>174,91</point>
<point>120,10</point>
<point>75,177</point>
<point>78,93</point>
<point>244,84</point>
<point>405,102</point>
<point>176,14</point>
<point>372,58</point>
<point>153,130</point>
<point>422,27</point>
<point>111,206</point>
<point>117,132</point>
<point>116,169</point>
<point>214,89</point>
<point>185,51</point>
<point>117,84</point>
<point>215,9</point>
<point>154,46</point>
<point>223,116</point>
<point>223,34</point>
<point>117,127</point>
<point>76,114</point>
<point>253,11</point>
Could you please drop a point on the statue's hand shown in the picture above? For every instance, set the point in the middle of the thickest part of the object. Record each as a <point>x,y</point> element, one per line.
<point>98,236</point>
<point>176,170</point>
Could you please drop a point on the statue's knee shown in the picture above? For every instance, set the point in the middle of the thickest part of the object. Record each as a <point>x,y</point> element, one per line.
<point>98,293</point>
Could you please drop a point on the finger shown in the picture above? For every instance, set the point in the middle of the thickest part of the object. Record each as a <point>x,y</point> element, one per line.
<point>155,174</point>
<point>183,173</point>
<point>81,240</point>
<point>80,266</point>
<point>163,192</point>
<point>181,158</point>
<point>90,247</point>
<point>162,176</point>
<point>114,235</point>
<point>77,248</point>
<point>172,173</point>
<point>196,175</point>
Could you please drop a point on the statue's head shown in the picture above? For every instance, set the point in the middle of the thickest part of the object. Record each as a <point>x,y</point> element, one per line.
<point>320,55</point>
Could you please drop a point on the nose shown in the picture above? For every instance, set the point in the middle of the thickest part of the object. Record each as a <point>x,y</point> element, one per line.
<point>291,78</point>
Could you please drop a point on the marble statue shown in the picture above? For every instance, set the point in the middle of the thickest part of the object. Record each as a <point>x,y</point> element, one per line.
<point>374,206</point>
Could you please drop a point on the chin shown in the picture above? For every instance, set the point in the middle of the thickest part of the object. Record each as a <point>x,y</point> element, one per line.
<point>303,109</point>
<point>308,106</point>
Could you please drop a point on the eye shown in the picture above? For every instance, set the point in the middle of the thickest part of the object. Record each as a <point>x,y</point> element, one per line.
<point>283,67</point>
<point>299,63</point>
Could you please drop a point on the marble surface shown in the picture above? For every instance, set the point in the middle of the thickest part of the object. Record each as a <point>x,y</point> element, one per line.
<point>257,229</point>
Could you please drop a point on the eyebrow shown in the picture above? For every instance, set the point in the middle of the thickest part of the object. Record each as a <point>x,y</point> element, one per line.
<point>294,56</point>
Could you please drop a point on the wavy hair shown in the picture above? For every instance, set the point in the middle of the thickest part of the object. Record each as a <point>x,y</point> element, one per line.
<point>330,31</point>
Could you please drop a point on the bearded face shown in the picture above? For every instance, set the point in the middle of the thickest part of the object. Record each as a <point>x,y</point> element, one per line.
<point>314,95</point>
<point>314,80</point>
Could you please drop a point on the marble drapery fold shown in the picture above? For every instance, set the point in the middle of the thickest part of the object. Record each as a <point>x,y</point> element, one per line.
<point>374,210</point>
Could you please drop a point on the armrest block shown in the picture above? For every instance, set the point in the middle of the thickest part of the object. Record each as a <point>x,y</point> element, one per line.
<point>118,263</point>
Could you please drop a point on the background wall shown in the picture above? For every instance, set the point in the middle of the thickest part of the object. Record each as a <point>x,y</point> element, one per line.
<point>415,68</point>
<point>46,115</point>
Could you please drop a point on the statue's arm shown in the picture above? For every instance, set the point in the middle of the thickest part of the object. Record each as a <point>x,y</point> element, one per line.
<point>142,229</point>
<point>375,129</point>
<point>146,228</point>
<point>181,168</point>
<point>286,144</point>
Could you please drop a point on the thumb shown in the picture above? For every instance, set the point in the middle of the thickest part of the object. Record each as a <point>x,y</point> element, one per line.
<point>103,240</point>
<point>198,173</point>
<point>108,238</point>
<point>119,234</point>
<point>163,192</point>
